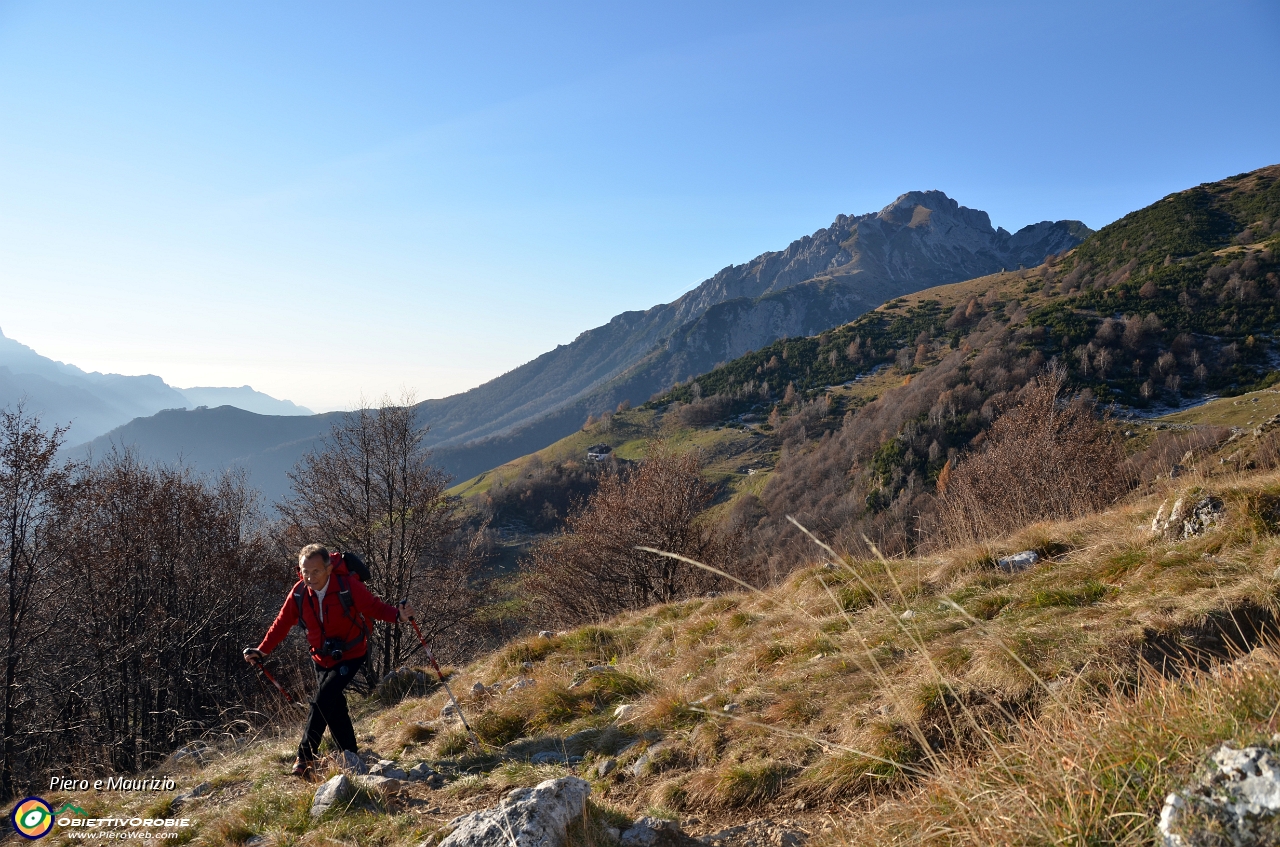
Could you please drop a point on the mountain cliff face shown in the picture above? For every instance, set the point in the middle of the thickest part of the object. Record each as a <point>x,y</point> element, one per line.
<point>922,239</point>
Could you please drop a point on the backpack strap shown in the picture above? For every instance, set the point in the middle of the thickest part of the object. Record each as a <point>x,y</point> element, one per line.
<point>348,608</point>
<point>298,591</point>
<point>344,596</point>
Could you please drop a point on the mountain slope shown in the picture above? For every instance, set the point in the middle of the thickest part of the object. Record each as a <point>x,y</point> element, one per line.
<point>243,397</point>
<point>91,402</point>
<point>817,282</point>
<point>211,440</point>
<point>1152,312</point>
<point>934,700</point>
<point>923,238</point>
<point>1174,302</point>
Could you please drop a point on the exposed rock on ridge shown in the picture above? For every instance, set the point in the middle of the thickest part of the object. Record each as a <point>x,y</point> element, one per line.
<point>921,239</point>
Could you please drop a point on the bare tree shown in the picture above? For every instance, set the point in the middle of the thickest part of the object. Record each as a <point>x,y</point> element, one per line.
<point>370,488</point>
<point>593,569</point>
<point>172,580</point>
<point>128,593</point>
<point>33,484</point>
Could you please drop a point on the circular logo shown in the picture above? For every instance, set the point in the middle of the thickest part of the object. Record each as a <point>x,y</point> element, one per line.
<point>32,818</point>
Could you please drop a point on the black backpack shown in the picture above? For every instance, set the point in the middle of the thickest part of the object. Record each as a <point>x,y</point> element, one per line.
<point>356,566</point>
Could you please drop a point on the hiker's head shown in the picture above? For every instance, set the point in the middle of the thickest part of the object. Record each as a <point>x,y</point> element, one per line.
<point>313,565</point>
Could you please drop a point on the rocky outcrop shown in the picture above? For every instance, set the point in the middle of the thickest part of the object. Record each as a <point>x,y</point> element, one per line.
<point>656,832</point>
<point>389,769</point>
<point>1018,561</point>
<point>1180,522</point>
<point>1236,802</point>
<point>527,817</point>
<point>350,763</point>
<point>758,833</point>
<point>384,785</point>
<point>921,239</point>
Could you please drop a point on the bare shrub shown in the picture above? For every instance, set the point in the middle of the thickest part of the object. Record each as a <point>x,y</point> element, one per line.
<point>1046,458</point>
<point>593,569</point>
<point>371,488</point>
<point>707,410</point>
<point>809,418</point>
<point>1268,452</point>
<point>540,496</point>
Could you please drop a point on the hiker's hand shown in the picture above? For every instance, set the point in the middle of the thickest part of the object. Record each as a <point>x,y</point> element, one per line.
<point>406,611</point>
<point>253,653</point>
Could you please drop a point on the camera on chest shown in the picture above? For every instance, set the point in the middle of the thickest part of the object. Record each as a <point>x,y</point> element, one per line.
<point>333,649</point>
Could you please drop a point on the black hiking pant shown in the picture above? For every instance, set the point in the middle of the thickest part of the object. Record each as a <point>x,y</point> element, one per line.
<point>329,708</point>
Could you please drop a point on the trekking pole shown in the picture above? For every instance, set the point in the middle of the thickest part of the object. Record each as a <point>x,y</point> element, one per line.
<point>431,657</point>
<point>258,666</point>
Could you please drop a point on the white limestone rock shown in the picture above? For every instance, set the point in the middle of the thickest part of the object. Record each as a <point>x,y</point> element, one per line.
<point>1018,561</point>
<point>350,763</point>
<point>378,784</point>
<point>1235,802</point>
<point>527,817</point>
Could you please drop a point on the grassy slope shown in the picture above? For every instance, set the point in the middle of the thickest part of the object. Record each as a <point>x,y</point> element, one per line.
<point>1047,312</point>
<point>726,451</point>
<point>1246,411</point>
<point>1156,263</point>
<point>840,701</point>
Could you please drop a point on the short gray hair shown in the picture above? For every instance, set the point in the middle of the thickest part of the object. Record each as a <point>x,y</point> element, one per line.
<point>313,550</point>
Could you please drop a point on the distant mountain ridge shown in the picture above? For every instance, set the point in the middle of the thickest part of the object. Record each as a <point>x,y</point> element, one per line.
<point>94,403</point>
<point>244,398</point>
<point>823,280</point>
<point>922,239</point>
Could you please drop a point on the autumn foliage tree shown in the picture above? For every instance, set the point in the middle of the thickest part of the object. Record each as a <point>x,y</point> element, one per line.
<point>1048,457</point>
<point>593,569</point>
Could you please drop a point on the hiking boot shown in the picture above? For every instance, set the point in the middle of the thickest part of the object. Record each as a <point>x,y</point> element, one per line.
<point>304,768</point>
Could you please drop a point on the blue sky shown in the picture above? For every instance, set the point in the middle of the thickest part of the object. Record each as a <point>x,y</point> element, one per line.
<point>335,200</point>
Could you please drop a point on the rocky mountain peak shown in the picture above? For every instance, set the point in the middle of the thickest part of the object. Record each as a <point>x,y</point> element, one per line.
<point>920,208</point>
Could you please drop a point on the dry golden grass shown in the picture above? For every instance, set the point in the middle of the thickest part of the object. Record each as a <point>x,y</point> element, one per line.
<point>837,697</point>
<point>1005,708</point>
<point>1092,775</point>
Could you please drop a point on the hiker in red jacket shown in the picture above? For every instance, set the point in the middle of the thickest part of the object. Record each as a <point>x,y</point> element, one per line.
<point>333,606</point>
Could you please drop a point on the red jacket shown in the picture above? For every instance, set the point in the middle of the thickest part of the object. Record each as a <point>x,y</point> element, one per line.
<point>338,624</point>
